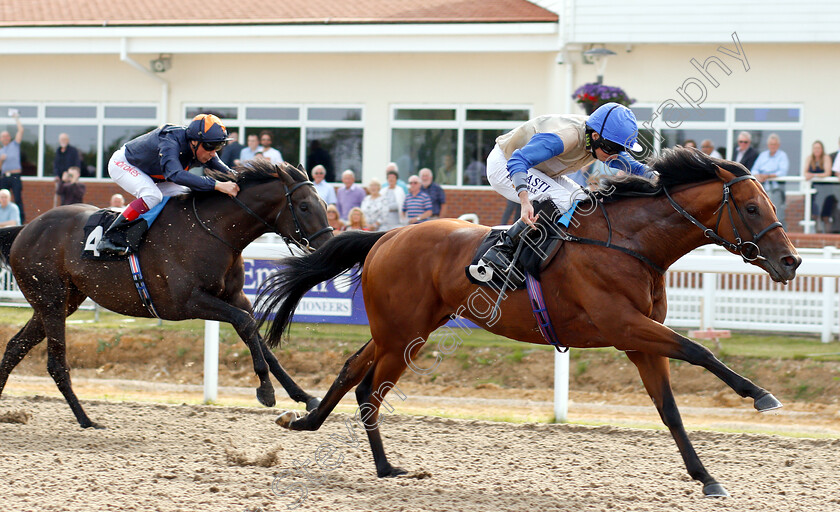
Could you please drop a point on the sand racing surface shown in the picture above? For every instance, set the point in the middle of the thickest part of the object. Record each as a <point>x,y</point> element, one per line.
<point>155,457</point>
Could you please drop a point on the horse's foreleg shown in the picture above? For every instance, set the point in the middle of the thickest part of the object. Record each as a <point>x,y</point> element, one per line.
<point>208,307</point>
<point>646,335</point>
<point>295,392</point>
<point>655,375</point>
<point>21,343</point>
<point>351,373</point>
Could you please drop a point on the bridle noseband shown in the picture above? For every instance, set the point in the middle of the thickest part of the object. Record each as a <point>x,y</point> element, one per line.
<point>300,239</point>
<point>748,250</point>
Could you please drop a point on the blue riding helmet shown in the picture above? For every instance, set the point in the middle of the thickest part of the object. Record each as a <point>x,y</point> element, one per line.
<point>207,128</point>
<point>616,123</point>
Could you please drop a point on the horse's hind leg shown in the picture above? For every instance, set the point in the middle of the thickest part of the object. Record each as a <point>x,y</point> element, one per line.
<point>351,374</point>
<point>295,392</point>
<point>655,375</point>
<point>21,343</point>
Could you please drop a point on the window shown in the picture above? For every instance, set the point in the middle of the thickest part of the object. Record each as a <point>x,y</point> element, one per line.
<point>452,141</point>
<point>328,135</point>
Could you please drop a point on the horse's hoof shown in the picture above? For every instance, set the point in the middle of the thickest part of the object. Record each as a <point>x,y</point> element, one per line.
<point>285,420</point>
<point>714,490</point>
<point>312,404</point>
<point>94,425</point>
<point>265,395</point>
<point>391,472</point>
<point>767,403</point>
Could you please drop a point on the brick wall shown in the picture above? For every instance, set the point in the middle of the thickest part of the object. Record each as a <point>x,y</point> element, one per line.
<point>38,195</point>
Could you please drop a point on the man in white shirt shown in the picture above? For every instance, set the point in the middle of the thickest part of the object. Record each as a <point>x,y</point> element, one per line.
<point>266,149</point>
<point>708,147</point>
<point>773,163</point>
<point>325,190</point>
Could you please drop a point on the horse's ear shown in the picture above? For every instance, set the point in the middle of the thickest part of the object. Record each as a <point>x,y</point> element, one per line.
<point>725,175</point>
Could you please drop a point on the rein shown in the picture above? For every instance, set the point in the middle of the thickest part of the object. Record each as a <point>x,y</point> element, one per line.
<point>748,250</point>
<point>300,240</point>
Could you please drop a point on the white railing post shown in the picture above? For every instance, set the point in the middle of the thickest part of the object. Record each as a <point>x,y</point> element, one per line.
<point>211,360</point>
<point>561,386</point>
<point>707,320</point>
<point>829,290</point>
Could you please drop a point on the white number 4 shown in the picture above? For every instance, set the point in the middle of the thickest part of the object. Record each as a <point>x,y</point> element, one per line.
<point>93,238</point>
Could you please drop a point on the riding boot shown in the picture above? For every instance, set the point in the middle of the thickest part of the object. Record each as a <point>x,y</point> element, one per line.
<point>500,255</point>
<point>113,241</point>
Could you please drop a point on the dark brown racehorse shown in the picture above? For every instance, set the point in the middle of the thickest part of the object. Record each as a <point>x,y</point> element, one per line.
<point>191,261</point>
<point>413,280</point>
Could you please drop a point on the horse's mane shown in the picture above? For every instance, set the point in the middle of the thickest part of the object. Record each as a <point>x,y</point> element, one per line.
<point>258,171</point>
<point>676,166</point>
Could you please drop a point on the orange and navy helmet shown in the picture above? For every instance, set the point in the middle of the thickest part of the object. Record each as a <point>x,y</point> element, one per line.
<point>207,128</point>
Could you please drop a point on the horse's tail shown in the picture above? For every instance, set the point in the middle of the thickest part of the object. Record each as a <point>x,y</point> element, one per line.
<point>7,236</point>
<point>283,290</point>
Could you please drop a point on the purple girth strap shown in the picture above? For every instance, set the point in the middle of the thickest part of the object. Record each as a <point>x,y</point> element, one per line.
<point>541,313</point>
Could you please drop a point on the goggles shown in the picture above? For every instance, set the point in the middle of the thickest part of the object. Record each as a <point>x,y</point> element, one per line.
<point>213,146</point>
<point>609,147</point>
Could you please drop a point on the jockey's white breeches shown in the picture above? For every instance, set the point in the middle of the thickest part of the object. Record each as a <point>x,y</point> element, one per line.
<point>138,183</point>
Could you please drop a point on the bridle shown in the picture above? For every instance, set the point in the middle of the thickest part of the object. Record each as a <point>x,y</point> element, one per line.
<point>748,250</point>
<point>301,239</point>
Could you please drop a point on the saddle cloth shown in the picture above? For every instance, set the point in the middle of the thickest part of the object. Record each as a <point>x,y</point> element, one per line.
<point>540,248</point>
<point>131,235</point>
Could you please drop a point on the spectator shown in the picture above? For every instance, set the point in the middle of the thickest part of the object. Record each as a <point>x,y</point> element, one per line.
<point>818,165</point>
<point>350,195</point>
<point>708,147</point>
<point>230,153</point>
<point>69,190</point>
<point>355,220</point>
<point>833,156</point>
<point>418,205</point>
<point>268,151</point>
<point>435,193</point>
<point>9,211</point>
<point>117,201</point>
<point>394,199</point>
<point>772,163</point>
<point>317,155</point>
<point>333,219</point>
<point>250,151</point>
<point>66,156</point>
<point>745,154</point>
<point>325,190</point>
<point>393,167</point>
<point>448,172</point>
<point>689,143</point>
<point>374,206</point>
<point>10,164</point>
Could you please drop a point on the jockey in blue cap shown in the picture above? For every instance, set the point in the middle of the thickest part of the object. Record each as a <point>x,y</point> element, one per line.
<point>530,162</point>
<point>155,165</point>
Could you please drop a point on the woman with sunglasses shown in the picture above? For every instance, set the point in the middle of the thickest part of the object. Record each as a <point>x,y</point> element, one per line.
<point>530,162</point>
<point>155,165</point>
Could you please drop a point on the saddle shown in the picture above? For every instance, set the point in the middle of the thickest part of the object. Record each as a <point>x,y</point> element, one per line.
<point>131,235</point>
<point>536,249</point>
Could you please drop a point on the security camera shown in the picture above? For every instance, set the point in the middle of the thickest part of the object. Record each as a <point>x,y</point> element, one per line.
<point>560,58</point>
<point>161,64</point>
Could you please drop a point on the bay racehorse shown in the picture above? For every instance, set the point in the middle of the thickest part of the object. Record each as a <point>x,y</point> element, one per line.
<point>191,260</point>
<point>413,280</point>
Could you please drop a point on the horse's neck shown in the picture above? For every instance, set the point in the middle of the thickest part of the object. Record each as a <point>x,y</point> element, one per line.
<point>228,220</point>
<point>655,229</point>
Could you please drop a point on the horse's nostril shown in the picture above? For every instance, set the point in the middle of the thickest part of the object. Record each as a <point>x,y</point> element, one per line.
<point>791,261</point>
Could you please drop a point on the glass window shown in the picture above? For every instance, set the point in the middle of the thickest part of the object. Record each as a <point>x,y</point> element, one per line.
<point>223,113</point>
<point>334,114</point>
<point>131,112</point>
<point>82,138</point>
<point>114,137</point>
<point>767,115</point>
<point>272,113</point>
<point>424,114</point>
<point>69,111</point>
<point>414,149</point>
<point>23,110</point>
<point>337,149</point>
<point>477,145</point>
<point>28,146</point>
<point>521,115</point>
<point>671,138</point>
<point>285,140</point>
<point>707,115</point>
<point>642,113</point>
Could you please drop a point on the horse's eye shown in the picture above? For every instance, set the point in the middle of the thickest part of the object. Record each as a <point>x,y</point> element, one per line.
<point>304,207</point>
<point>752,209</point>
